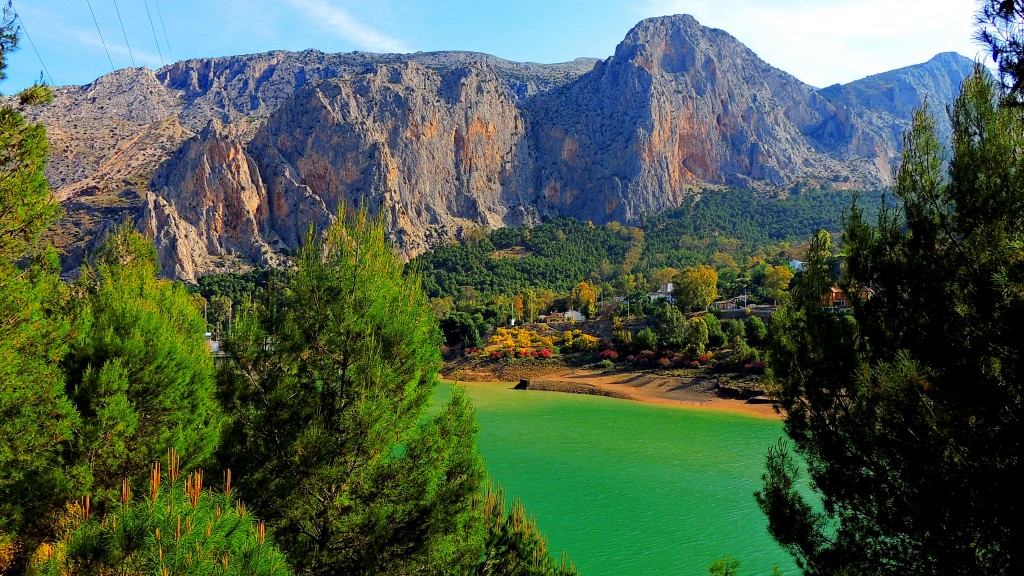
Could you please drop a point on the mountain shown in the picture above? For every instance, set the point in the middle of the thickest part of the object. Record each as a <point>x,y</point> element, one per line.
<point>228,161</point>
<point>889,99</point>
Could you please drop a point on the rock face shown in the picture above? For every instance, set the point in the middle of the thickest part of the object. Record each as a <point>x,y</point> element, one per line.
<point>433,151</point>
<point>888,100</point>
<point>228,161</point>
<point>208,200</point>
<point>680,106</point>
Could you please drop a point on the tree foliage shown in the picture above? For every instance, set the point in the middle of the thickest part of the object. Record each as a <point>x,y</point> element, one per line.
<point>37,421</point>
<point>697,336</point>
<point>585,299</point>
<point>1002,30</point>
<point>671,327</point>
<point>776,282</point>
<point>138,370</point>
<point>719,228</point>
<point>514,545</point>
<point>177,526</point>
<point>330,382</point>
<point>696,287</point>
<point>908,412</point>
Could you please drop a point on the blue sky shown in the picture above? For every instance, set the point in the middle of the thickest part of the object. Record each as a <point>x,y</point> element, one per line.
<point>819,41</point>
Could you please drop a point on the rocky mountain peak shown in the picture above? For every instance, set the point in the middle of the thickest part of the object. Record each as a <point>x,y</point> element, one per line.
<point>228,161</point>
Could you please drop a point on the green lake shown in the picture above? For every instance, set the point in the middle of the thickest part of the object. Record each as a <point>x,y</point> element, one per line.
<point>627,488</point>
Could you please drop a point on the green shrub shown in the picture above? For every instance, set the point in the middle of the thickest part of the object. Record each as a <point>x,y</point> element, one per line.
<point>177,527</point>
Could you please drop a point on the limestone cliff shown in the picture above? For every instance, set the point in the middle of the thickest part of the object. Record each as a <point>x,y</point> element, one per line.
<point>208,206</point>
<point>888,100</point>
<point>681,106</point>
<point>435,152</point>
<point>227,161</point>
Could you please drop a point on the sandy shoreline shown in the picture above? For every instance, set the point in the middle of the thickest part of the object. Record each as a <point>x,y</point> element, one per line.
<point>640,387</point>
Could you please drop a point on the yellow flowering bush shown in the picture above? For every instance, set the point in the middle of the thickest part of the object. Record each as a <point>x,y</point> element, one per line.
<point>520,338</point>
<point>578,341</point>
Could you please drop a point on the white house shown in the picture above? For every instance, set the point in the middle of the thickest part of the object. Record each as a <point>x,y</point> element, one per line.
<point>664,293</point>
<point>574,316</point>
<point>797,264</point>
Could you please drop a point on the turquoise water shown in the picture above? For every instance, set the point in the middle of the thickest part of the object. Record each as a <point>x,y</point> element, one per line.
<point>627,488</point>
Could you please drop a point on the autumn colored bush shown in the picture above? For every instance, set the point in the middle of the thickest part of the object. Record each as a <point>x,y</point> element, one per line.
<point>757,367</point>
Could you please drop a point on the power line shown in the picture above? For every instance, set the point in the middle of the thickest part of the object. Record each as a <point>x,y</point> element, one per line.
<point>98,31</point>
<point>33,44</point>
<point>153,28</point>
<point>160,17</point>
<point>123,31</point>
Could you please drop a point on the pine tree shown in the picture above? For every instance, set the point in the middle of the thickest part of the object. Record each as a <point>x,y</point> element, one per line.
<point>514,545</point>
<point>139,370</point>
<point>907,413</point>
<point>328,390</point>
<point>672,327</point>
<point>176,525</point>
<point>1002,30</point>
<point>697,336</point>
<point>36,418</point>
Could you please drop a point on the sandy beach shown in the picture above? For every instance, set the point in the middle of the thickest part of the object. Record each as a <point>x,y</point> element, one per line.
<point>690,393</point>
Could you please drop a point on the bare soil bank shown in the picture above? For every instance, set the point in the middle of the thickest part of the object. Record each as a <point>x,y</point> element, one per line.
<point>652,388</point>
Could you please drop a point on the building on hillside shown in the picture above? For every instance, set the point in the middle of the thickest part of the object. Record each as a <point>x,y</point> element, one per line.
<point>215,349</point>
<point>567,316</point>
<point>664,293</point>
<point>837,298</point>
<point>574,316</point>
<point>730,304</point>
<point>797,265</point>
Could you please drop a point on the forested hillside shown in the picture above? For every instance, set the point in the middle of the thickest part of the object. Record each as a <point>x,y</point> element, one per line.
<point>727,229</point>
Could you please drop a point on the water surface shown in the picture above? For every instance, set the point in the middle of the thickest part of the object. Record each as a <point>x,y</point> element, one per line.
<point>628,488</point>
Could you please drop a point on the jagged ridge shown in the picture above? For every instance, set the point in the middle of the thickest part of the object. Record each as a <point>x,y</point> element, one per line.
<point>228,160</point>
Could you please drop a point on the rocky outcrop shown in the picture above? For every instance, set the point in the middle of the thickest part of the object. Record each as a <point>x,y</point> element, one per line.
<point>228,161</point>
<point>434,152</point>
<point>680,106</point>
<point>437,153</point>
<point>208,206</point>
<point>887,101</point>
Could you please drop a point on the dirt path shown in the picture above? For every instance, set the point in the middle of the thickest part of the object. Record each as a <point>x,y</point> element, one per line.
<point>638,386</point>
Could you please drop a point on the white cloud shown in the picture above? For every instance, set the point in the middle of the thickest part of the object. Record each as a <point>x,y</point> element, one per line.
<point>339,22</point>
<point>825,42</point>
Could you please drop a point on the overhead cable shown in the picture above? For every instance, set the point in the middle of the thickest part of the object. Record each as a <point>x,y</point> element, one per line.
<point>153,28</point>
<point>123,31</point>
<point>33,44</point>
<point>98,31</point>
<point>167,41</point>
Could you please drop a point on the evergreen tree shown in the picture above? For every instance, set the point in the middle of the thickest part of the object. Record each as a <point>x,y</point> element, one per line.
<point>697,336</point>
<point>756,330</point>
<point>177,526</point>
<point>139,370</point>
<point>716,337</point>
<point>1002,30</point>
<point>646,339</point>
<point>672,327</point>
<point>908,412</point>
<point>514,545</point>
<point>328,386</point>
<point>36,418</point>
